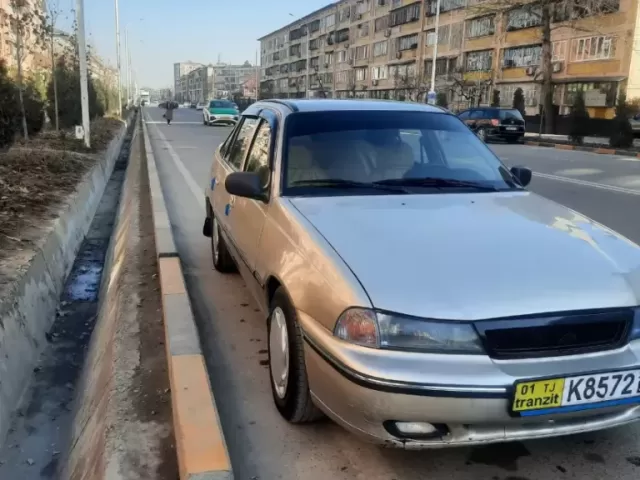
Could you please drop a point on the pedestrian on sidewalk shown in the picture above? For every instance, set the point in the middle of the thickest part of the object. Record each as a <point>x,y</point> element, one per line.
<point>168,114</point>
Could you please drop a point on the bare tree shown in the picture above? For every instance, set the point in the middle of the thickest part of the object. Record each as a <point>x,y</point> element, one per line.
<point>322,93</point>
<point>25,22</point>
<point>551,14</point>
<point>471,90</point>
<point>410,84</point>
<point>53,11</point>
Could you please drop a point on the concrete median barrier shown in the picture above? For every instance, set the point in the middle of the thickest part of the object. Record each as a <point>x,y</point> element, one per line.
<point>200,444</point>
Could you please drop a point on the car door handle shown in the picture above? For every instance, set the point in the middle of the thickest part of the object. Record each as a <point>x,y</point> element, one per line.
<point>232,201</point>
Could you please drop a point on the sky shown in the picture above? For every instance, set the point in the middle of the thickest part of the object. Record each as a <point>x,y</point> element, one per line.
<point>163,32</point>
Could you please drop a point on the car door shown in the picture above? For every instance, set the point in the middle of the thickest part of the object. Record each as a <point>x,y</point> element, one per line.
<point>248,216</point>
<point>230,159</point>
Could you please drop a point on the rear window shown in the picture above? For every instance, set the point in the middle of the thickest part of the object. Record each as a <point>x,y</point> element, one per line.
<point>221,104</point>
<point>513,114</point>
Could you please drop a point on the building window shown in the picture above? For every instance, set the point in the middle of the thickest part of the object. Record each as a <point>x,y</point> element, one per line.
<point>531,92</point>
<point>295,50</point>
<point>559,51</point>
<point>480,61</point>
<point>363,6</point>
<point>408,14</point>
<point>361,74</point>
<point>345,13</point>
<point>342,56</point>
<point>380,48</point>
<point>480,27</point>
<point>443,35</point>
<point>522,56</point>
<point>342,35</point>
<point>404,71</point>
<point>444,66</point>
<point>381,23</point>
<point>330,20</point>
<point>314,44</point>
<point>524,17</point>
<point>593,48</point>
<point>408,42</point>
<point>342,77</point>
<point>363,30</point>
<point>314,62</point>
<point>380,73</point>
<point>445,6</point>
<point>328,58</point>
<point>314,26</point>
<point>362,52</point>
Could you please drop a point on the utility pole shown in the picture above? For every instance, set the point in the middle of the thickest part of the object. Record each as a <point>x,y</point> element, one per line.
<point>126,62</point>
<point>118,59</point>
<point>431,96</point>
<point>84,90</point>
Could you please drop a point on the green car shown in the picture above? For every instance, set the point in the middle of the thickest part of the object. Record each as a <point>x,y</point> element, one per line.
<point>220,111</point>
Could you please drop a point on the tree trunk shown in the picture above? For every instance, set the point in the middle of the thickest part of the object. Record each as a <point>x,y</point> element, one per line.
<point>25,130</point>
<point>547,70</point>
<point>55,80</point>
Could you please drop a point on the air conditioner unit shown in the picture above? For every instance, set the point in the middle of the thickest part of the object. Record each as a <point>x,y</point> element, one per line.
<point>531,71</point>
<point>387,32</point>
<point>508,63</point>
<point>398,54</point>
<point>374,83</point>
<point>557,67</point>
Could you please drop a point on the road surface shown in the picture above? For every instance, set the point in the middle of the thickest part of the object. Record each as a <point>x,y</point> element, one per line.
<point>262,445</point>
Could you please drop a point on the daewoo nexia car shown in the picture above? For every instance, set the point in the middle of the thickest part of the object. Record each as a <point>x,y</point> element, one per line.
<point>416,292</point>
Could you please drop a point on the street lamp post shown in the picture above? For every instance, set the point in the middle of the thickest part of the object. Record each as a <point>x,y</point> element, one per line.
<point>118,59</point>
<point>431,96</point>
<point>84,90</point>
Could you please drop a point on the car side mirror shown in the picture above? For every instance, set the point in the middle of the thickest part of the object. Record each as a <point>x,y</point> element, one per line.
<point>246,184</point>
<point>522,175</point>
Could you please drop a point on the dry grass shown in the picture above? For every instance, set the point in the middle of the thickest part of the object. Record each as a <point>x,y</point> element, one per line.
<point>36,177</point>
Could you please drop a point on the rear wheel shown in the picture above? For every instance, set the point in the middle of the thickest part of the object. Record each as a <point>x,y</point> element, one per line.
<point>482,134</point>
<point>287,368</point>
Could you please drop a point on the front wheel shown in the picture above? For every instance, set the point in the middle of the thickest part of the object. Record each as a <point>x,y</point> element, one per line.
<point>287,368</point>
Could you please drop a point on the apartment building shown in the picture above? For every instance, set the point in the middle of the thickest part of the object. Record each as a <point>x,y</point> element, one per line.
<point>215,81</point>
<point>385,48</point>
<point>180,72</point>
<point>35,55</point>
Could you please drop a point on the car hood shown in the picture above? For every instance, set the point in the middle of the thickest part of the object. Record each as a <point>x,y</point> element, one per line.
<point>475,256</point>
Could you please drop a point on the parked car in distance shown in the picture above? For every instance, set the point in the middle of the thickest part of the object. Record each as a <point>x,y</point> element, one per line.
<point>220,112</point>
<point>415,291</point>
<point>493,123</point>
<point>193,105</point>
<point>200,105</point>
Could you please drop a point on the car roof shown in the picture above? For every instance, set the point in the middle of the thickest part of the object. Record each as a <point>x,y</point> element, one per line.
<point>333,105</point>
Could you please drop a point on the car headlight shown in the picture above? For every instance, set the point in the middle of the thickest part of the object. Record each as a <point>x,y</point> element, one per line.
<point>635,326</point>
<point>370,328</point>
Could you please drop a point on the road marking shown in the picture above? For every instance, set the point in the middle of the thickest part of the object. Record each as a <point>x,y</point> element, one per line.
<point>197,191</point>
<point>584,183</point>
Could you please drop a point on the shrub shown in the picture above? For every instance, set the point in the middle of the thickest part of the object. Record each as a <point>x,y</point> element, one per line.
<point>622,133</point>
<point>495,98</point>
<point>518,101</point>
<point>579,119</point>
<point>441,100</point>
<point>9,108</point>
<point>69,105</point>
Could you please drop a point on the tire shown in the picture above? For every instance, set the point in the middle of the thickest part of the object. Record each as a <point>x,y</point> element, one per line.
<point>204,120</point>
<point>514,140</point>
<point>291,396</point>
<point>482,134</point>
<point>222,260</point>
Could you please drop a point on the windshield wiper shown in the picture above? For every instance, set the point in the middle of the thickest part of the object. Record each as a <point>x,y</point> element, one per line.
<point>436,182</point>
<point>344,184</point>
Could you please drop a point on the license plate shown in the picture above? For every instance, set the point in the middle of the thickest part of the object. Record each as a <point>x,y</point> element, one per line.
<point>572,394</point>
<point>512,128</point>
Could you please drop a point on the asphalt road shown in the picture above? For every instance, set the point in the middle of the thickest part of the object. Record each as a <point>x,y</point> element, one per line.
<point>263,446</point>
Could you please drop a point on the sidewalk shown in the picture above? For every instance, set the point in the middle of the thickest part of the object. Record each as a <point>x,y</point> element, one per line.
<point>599,141</point>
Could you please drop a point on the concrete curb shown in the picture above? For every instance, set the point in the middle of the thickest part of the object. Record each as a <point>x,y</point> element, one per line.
<point>580,148</point>
<point>28,307</point>
<point>200,444</point>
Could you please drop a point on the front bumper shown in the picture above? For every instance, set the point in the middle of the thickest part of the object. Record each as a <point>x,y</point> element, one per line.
<point>368,405</point>
<point>227,119</point>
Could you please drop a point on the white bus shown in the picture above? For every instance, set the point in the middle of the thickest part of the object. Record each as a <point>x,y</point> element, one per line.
<point>144,97</point>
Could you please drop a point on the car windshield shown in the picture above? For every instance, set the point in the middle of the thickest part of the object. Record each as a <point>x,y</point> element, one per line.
<point>220,104</point>
<point>421,152</point>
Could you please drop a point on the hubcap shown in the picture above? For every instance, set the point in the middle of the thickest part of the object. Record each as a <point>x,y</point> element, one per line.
<point>215,239</point>
<point>279,352</point>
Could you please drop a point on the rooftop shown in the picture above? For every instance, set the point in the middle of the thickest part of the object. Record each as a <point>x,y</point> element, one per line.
<point>326,105</point>
<point>301,20</point>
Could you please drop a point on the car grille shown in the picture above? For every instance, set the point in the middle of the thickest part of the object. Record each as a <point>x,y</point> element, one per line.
<point>555,336</point>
